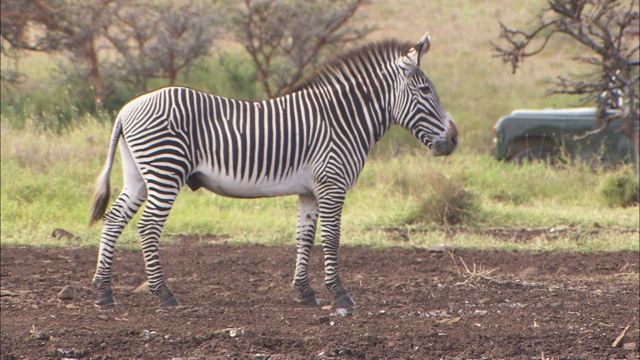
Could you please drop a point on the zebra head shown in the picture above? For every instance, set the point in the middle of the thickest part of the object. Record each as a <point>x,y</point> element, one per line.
<point>418,107</point>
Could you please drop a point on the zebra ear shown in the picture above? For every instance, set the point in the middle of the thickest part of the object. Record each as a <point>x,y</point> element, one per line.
<point>422,47</point>
<point>413,56</point>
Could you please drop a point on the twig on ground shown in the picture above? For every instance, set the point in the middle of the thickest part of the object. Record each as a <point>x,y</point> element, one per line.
<point>478,273</point>
<point>618,340</point>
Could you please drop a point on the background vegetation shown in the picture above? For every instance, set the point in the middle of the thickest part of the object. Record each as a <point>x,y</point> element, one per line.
<point>54,141</point>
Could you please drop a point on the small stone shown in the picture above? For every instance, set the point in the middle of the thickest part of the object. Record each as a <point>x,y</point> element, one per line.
<point>484,301</point>
<point>40,336</point>
<point>629,346</point>
<point>148,335</point>
<point>62,234</point>
<point>341,312</point>
<point>62,353</point>
<point>66,293</point>
<point>143,288</point>
<point>444,248</point>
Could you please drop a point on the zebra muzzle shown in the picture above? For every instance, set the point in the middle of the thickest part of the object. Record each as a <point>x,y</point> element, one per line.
<point>446,145</point>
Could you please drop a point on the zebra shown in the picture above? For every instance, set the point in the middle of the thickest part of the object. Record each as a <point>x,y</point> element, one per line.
<point>311,142</point>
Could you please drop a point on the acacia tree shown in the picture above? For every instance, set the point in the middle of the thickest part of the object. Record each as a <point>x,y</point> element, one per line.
<point>54,25</point>
<point>109,40</point>
<point>162,39</point>
<point>185,32</point>
<point>607,30</point>
<point>286,38</point>
<point>131,41</point>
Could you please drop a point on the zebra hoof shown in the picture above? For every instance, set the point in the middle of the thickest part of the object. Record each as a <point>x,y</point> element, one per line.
<point>106,301</point>
<point>169,301</point>
<point>344,301</point>
<point>308,298</point>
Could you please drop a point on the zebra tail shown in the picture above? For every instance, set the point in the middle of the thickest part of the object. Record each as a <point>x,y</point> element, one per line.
<point>103,189</point>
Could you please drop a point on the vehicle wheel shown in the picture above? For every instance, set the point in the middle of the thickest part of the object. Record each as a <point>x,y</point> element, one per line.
<point>546,154</point>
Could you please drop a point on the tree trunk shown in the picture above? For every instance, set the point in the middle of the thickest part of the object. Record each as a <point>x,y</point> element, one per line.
<point>635,137</point>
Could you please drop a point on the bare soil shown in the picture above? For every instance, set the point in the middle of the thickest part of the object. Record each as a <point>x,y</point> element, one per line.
<point>237,302</point>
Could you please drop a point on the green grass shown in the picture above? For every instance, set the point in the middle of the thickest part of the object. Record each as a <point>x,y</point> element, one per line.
<point>47,181</point>
<point>52,153</point>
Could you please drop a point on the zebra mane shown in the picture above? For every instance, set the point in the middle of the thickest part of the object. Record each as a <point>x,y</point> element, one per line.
<point>367,57</point>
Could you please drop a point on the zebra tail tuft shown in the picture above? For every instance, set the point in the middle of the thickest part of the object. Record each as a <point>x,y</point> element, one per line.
<point>103,189</point>
<point>100,198</point>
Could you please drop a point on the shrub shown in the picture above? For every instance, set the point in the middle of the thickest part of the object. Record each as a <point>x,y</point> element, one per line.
<point>447,203</point>
<point>621,189</point>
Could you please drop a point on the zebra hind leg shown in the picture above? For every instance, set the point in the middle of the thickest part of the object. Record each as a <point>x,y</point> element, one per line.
<point>150,228</point>
<point>115,220</point>
<point>305,235</point>
<point>133,195</point>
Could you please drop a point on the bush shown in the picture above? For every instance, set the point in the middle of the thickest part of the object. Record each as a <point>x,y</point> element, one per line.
<point>229,75</point>
<point>621,189</point>
<point>446,203</point>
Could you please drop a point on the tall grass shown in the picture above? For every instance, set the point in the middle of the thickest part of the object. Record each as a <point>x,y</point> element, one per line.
<point>47,110</point>
<point>47,181</point>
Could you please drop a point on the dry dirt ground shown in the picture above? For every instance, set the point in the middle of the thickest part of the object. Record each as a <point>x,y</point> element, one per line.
<point>237,303</point>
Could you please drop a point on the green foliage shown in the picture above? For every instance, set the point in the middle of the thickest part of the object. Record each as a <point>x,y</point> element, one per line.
<point>59,107</point>
<point>50,110</point>
<point>620,189</point>
<point>225,74</point>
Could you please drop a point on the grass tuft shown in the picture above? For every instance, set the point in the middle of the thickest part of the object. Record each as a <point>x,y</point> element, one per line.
<point>621,189</point>
<point>447,203</point>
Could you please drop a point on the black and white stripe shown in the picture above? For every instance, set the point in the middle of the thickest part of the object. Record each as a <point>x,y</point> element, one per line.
<point>312,143</point>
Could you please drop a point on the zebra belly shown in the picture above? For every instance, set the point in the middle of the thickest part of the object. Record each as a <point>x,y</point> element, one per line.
<point>225,185</point>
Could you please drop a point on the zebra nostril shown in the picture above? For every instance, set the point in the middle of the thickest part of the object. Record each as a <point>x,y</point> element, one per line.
<point>454,140</point>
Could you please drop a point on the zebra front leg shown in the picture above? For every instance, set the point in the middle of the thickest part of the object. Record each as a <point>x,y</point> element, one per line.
<point>150,227</point>
<point>115,220</point>
<point>305,236</point>
<point>330,204</point>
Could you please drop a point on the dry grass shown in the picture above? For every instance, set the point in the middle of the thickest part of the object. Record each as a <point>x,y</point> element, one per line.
<point>446,202</point>
<point>41,150</point>
<point>47,179</point>
<point>474,276</point>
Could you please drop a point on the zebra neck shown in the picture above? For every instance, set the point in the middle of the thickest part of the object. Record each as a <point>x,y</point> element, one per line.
<point>355,111</point>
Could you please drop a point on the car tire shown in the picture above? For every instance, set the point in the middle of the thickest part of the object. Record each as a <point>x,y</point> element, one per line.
<point>545,154</point>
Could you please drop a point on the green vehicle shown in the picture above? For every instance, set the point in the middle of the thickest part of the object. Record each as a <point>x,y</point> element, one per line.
<point>555,135</point>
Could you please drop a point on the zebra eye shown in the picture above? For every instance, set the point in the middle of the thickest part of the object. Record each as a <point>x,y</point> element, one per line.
<point>425,90</point>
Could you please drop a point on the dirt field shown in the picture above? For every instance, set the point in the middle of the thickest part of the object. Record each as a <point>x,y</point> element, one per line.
<point>238,303</point>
